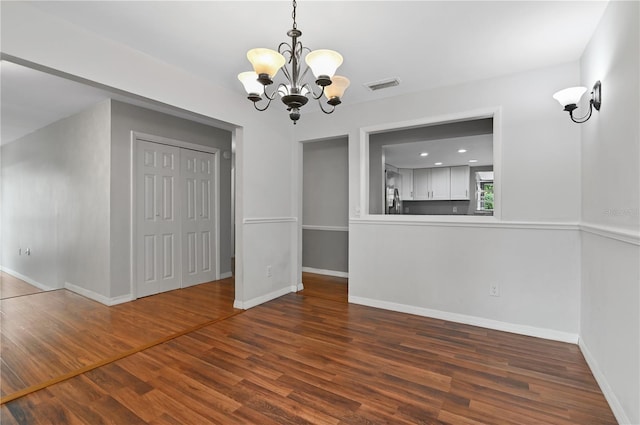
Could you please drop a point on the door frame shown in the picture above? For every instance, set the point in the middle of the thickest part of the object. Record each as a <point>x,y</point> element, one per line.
<point>135,137</point>
<point>298,204</point>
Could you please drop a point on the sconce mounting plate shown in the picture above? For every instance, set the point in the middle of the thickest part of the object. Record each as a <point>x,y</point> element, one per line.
<point>596,95</point>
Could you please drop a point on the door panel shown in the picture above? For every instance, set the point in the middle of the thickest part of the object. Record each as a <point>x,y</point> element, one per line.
<point>175,203</point>
<point>157,228</point>
<point>198,225</point>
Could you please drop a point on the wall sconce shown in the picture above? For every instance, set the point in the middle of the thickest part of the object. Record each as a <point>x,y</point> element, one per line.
<point>570,97</point>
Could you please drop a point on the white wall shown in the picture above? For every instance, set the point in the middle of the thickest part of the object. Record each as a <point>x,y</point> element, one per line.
<point>610,318</point>
<point>50,203</point>
<point>404,264</point>
<point>540,153</point>
<point>263,141</point>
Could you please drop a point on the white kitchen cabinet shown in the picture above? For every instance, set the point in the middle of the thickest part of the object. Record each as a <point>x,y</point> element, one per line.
<point>421,184</point>
<point>407,183</point>
<point>460,183</point>
<point>431,184</point>
<point>440,183</point>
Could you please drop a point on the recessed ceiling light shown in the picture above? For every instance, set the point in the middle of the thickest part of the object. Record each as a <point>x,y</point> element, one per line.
<point>462,150</point>
<point>424,154</point>
<point>438,163</point>
<point>473,160</point>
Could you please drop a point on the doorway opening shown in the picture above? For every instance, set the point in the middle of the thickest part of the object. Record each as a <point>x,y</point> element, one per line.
<point>325,215</point>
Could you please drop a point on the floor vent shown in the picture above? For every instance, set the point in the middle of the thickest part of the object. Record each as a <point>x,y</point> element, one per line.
<point>382,84</point>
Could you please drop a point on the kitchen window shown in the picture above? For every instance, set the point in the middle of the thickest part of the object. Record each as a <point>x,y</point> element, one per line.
<point>485,196</point>
<point>431,169</point>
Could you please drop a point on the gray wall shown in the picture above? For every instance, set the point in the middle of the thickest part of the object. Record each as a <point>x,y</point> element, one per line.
<point>76,216</point>
<point>325,203</point>
<point>418,134</point>
<point>325,250</point>
<point>127,118</point>
<point>55,201</point>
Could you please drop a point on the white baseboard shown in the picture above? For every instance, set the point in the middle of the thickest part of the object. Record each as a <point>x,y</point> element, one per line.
<point>246,305</point>
<point>616,407</point>
<point>300,286</point>
<point>325,272</point>
<point>469,320</point>
<point>225,275</point>
<point>27,279</point>
<point>98,297</point>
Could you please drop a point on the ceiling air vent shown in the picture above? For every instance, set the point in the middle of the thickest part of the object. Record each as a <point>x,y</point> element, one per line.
<point>382,84</point>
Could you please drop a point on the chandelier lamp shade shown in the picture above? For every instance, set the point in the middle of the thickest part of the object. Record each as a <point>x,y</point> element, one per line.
<point>569,99</point>
<point>296,91</point>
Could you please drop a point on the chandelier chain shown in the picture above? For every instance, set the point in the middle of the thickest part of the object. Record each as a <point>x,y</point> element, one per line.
<point>293,15</point>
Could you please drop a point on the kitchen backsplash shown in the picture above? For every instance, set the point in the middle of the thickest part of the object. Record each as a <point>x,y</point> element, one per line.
<point>437,207</point>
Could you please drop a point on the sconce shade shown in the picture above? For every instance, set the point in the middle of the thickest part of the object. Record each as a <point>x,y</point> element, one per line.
<point>324,62</point>
<point>570,96</point>
<point>250,82</point>
<point>265,61</point>
<point>337,88</point>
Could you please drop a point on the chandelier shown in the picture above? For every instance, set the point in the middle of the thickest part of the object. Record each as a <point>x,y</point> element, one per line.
<point>295,93</point>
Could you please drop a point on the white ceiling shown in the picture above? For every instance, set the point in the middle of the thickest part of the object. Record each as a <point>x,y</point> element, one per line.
<point>32,99</point>
<point>425,44</point>
<point>407,155</point>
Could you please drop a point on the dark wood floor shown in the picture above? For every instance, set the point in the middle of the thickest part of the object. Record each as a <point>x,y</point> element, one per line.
<point>48,335</point>
<point>328,287</point>
<point>310,359</point>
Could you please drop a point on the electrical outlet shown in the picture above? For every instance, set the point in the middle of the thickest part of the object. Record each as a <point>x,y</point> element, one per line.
<point>27,251</point>
<point>269,271</point>
<point>494,290</point>
<point>455,209</point>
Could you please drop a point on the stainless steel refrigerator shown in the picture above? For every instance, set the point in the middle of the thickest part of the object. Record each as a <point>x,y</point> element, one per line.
<point>393,186</point>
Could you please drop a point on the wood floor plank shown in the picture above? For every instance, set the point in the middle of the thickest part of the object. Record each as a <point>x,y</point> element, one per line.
<point>315,359</point>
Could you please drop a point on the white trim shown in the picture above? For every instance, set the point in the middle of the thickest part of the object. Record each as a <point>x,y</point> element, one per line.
<point>453,117</point>
<point>334,273</point>
<point>268,220</point>
<point>622,235</point>
<point>327,228</point>
<point>300,286</point>
<point>225,275</point>
<point>461,221</point>
<point>491,112</point>
<point>246,305</point>
<point>98,297</point>
<point>136,135</point>
<point>216,208</point>
<point>609,395</point>
<point>363,208</point>
<point>27,279</point>
<point>469,320</point>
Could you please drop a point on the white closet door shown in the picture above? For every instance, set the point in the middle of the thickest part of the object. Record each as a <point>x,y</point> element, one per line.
<point>197,178</point>
<point>158,224</point>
